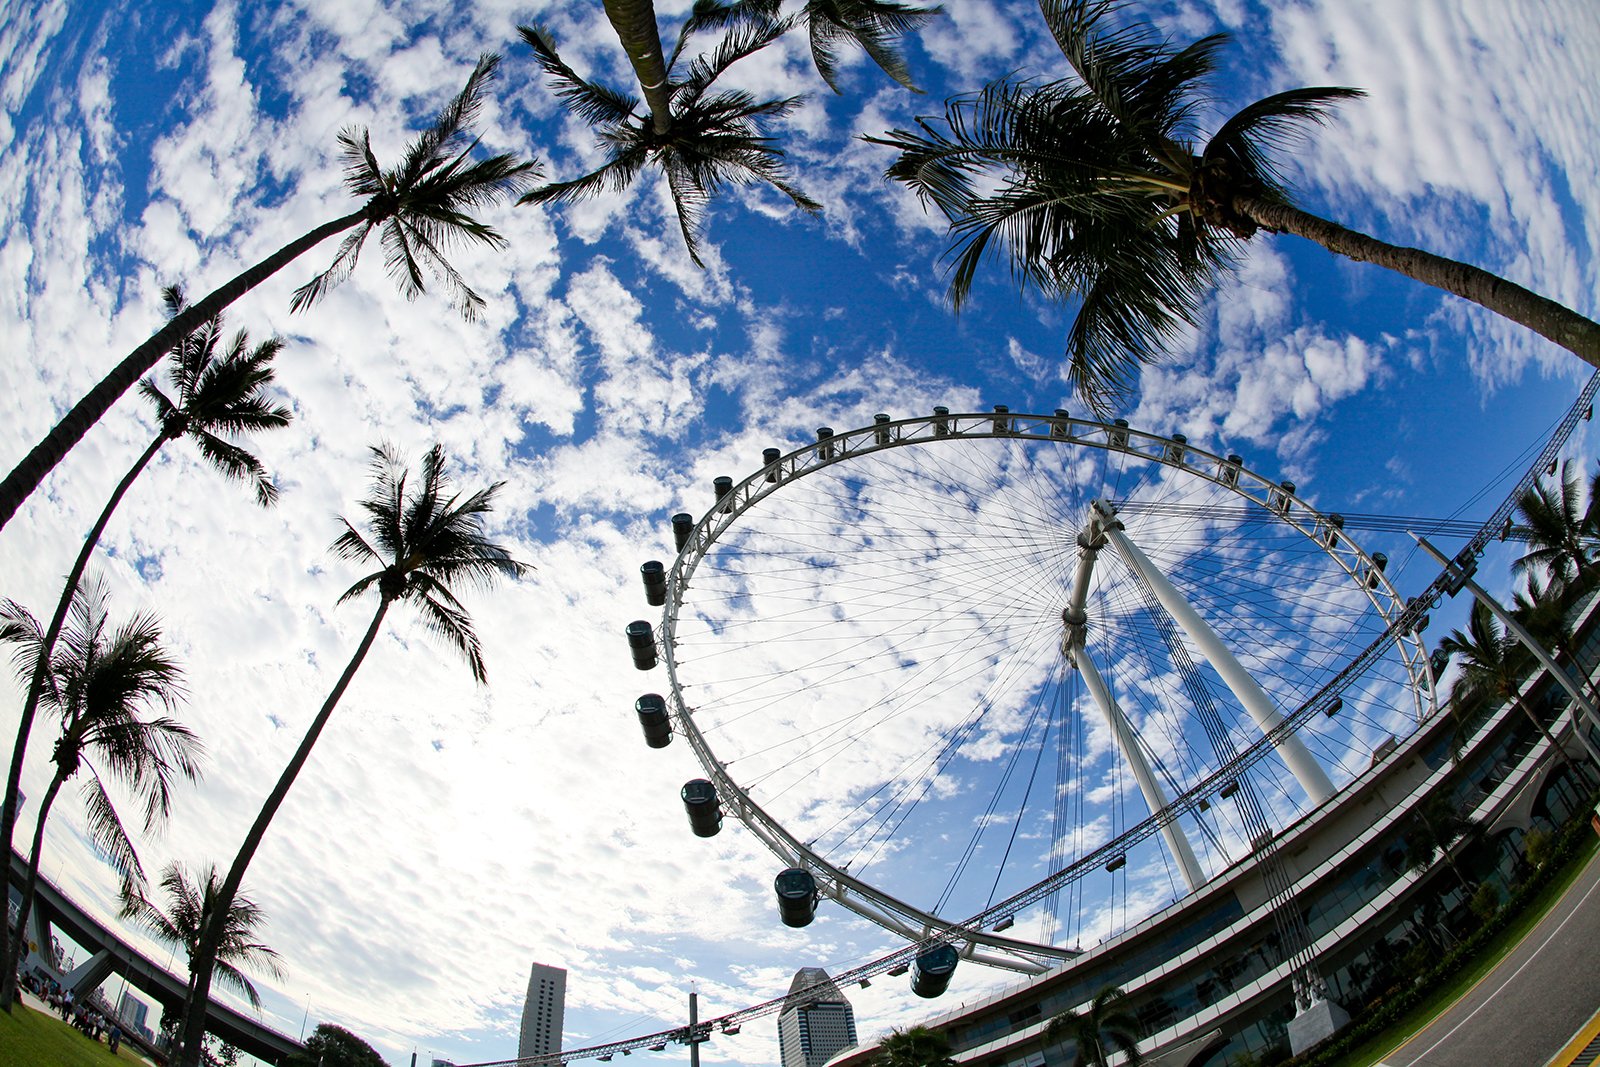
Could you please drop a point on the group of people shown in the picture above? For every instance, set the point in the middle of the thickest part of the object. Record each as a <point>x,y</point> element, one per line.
<point>80,1014</point>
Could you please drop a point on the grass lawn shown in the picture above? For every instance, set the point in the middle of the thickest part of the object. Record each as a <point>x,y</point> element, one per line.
<point>1403,1030</point>
<point>35,1039</point>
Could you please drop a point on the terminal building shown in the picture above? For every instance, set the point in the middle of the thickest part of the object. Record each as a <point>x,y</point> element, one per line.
<point>816,1022</point>
<point>1209,978</point>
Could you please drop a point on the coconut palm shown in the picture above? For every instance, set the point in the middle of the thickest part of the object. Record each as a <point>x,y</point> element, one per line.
<point>1100,188</point>
<point>419,208</point>
<point>1432,827</point>
<point>189,902</point>
<point>699,138</point>
<point>874,26</point>
<point>1100,1031</point>
<point>423,540</point>
<point>915,1046</point>
<point>102,682</point>
<point>1490,667</point>
<point>218,395</point>
<point>1559,527</point>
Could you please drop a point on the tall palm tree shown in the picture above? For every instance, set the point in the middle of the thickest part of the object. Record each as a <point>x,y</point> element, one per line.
<point>700,139</point>
<point>1489,666</point>
<point>1432,827</point>
<point>915,1046</point>
<point>1100,188</point>
<point>189,900</point>
<point>419,209</point>
<point>102,681</point>
<point>423,539</point>
<point>874,26</point>
<point>1559,527</point>
<point>1100,1031</point>
<point>218,395</point>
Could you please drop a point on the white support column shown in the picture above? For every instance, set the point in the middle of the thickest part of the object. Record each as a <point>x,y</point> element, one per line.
<point>1312,778</point>
<point>1154,795</point>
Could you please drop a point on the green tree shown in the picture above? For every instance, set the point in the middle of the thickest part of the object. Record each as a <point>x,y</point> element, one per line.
<point>915,1046</point>
<point>419,208</point>
<point>1100,188</point>
<point>101,682</point>
<point>1100,1031</point>
<point>1432,827</point>
<point>218,395</point>
<point>1560,529</point>
<point>188,901</point>
<point>334,1046</point>
<point>874,26</point>
<point>1490,667</point>
<point>423,539</point>
<point>699,137</point>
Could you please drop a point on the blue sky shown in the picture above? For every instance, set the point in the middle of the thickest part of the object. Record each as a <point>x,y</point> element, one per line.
<point>444,836</point>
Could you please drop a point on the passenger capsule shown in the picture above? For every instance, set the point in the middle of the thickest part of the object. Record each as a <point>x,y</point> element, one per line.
<point>642,641</point>
<point>655,582</point>
<point>705,812</point>
<point>654,720</point>
<point>881,432</point>
<point>824,442</point>
<point>769,456</point>
<point>723,486</point>
<point>797,896</point>
<point>930,975</point>
<point>941,421</point>
<point>1119,435</point>
<point>1002,418</point>
<point>682,527</point>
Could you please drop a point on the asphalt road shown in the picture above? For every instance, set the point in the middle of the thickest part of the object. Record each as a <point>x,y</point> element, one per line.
<point>1525,1010</point>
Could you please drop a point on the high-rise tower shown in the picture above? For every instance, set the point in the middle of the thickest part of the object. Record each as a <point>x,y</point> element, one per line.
<point>816,1022</point>
<point>542,1012</point>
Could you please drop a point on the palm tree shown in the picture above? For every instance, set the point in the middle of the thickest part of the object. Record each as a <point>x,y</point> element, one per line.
<point>1489,667</point>
<point>1559,528</point>
<point>874,26</point>
<point>419,208</point>
<point>1432,828</point>
<point>189,900</point>
<point>422,539</point>
<point>1101,1030</point>
<point>915,1046</point>
<point>698,138</point>
<point>216,394</point>
<point>1100,188</point>
<point>101,680</point>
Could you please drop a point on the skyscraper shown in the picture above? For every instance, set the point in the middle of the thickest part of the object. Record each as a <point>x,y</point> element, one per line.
<point>816,1022</point>
<point>542,1012</point>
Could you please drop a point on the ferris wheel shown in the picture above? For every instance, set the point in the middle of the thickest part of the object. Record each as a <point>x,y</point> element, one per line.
<point>935,661</point>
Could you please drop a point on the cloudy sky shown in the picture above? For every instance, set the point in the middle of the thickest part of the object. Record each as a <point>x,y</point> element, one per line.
<point>446,835</point>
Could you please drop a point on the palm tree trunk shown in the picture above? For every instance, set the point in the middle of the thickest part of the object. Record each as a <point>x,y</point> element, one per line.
<point>204,961</point>
<point>1560,752</point>
<point>1542,315</point>
<point>27,475</point>
<point>8,811</point>
<point>14,956</point>
<point>635,24</point>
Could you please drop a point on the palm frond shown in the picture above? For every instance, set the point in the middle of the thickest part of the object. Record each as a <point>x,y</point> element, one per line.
<point>1249,136</point>
<point>105,829</point>
<point>593,103</point>
<point>875,26</point>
